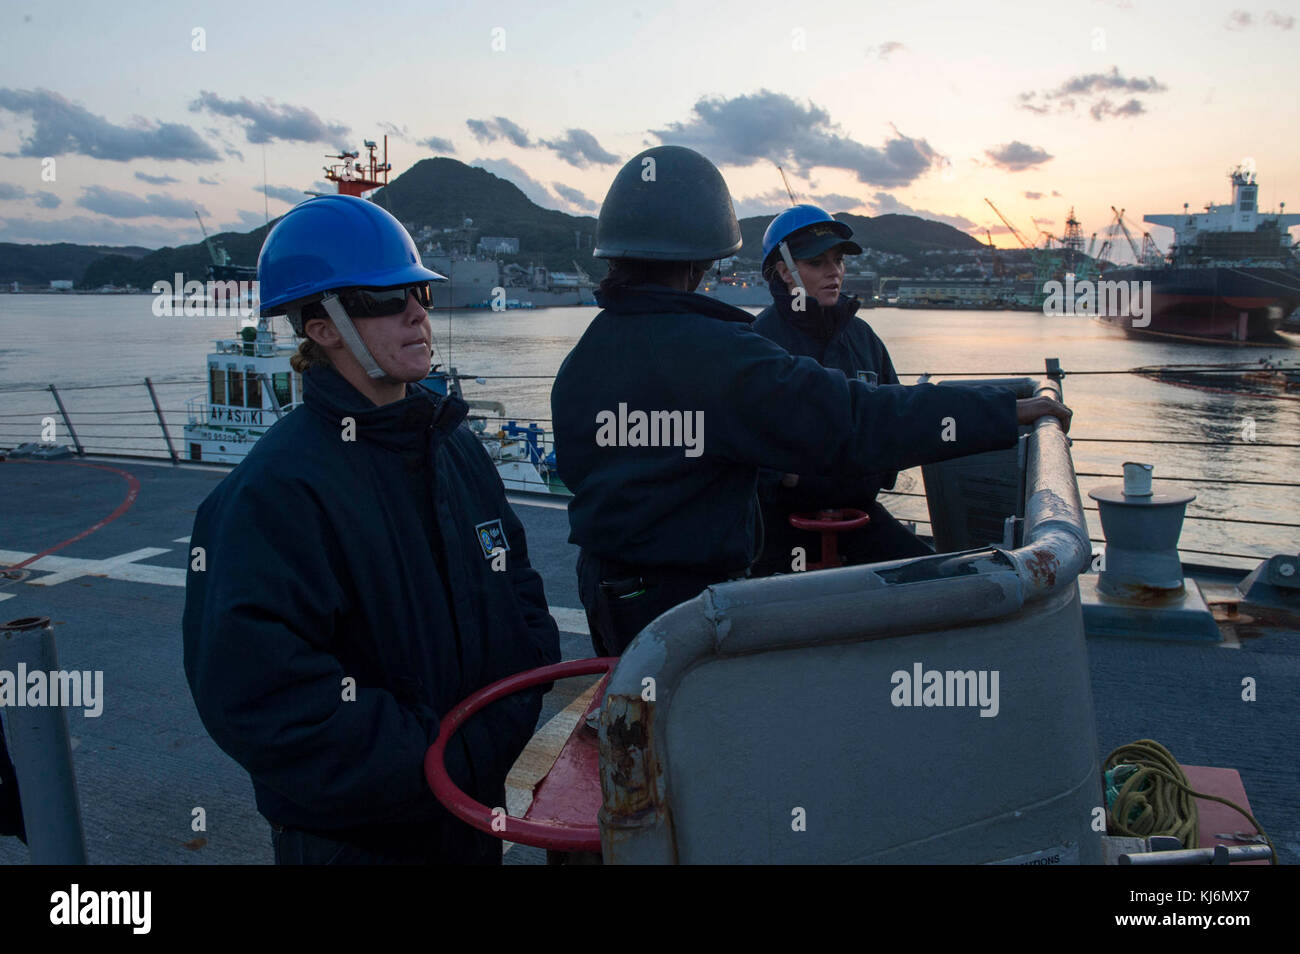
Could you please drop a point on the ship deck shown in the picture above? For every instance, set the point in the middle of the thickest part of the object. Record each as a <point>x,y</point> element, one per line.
<point>116,595</point>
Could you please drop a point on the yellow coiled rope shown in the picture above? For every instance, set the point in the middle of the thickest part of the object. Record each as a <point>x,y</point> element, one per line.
<point>1157,798</point>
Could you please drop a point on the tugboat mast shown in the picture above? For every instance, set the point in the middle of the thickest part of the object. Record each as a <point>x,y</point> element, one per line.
<point>353,178</point>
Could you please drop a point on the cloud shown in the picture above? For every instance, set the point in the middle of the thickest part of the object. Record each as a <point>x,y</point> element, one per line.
<point>246,223</point>
<point>1104,107</point>
<point>490,130</point>
<point>774,127</point>
<point>775,201</point>
<point>85,230</point>
<point>124,205</point>
<point>882,203</point>
<point>574,197</point>
<point>283,193</point>
<point>1238,20</point>
<point>437,144</point>
<point>204,180</point>
<point>394,131</point>
<point>526,184</point>
<point>62,127</point>
<point>43,199</point>
<point>579,148</point>
<point>1068,96</point>
<point>326,187</point>
<point>836,202</point>
<point>156,180</point>
<point>883,51</point>
<point>268,122</point>
<point>1033,195</point>
<point>1108,82</point>
<point>1056,194</point>
<point>1280,20</point>
<point>1017,156</point>
<point>234,153</point>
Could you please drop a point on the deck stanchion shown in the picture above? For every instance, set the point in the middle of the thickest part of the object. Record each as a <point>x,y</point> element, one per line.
<point>41,753</point>
<point>67,422</point>
<point>162,422</point>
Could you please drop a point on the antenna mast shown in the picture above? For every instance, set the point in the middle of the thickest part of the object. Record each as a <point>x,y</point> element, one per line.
<point>788,190</point>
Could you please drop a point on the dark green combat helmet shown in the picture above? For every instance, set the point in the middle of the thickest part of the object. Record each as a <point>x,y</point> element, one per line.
<point>668,204</point>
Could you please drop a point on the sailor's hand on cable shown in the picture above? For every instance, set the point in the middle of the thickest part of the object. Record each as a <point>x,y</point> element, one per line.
<point>1031,409</point>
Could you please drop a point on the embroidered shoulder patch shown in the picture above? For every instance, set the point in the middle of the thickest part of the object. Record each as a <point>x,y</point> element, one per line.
<point>491,536</point>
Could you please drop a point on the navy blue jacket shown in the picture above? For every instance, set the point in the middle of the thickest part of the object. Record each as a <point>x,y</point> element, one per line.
<point>328,559</point>
<point>835,338</point>
<point>656,349</point>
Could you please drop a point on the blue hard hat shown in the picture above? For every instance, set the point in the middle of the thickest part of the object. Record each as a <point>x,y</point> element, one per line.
<point>331,242</point>
<point>809,232</point>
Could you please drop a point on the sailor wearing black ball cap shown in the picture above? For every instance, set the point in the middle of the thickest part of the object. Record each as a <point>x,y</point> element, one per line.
<point>658,520</point>
<point>803,260</point>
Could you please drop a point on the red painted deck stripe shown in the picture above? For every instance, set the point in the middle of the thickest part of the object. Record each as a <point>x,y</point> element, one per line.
<point>132,491</point>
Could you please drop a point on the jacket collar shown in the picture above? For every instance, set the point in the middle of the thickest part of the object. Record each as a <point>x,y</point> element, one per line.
<point>397,426</point>
<point>660,299</point>
<point>817,322</point>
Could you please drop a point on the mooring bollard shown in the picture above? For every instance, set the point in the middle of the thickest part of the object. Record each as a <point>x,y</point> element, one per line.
<point>41,753</point>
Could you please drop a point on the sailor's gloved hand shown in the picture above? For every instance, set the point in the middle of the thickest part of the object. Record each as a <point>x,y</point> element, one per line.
<point>1029,410</point>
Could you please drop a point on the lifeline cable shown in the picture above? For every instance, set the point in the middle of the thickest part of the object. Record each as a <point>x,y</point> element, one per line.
<point>1162,797</point>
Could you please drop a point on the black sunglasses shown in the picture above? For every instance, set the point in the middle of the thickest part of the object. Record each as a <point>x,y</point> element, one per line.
<point>378,303</point>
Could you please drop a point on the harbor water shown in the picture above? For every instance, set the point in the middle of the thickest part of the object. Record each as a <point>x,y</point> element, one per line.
<point>84,344</point>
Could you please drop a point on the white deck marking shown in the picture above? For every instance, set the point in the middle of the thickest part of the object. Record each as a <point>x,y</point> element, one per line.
<point>571,620</point>
<point>127,567</point>
<point>123,567</point>
<point>7,596</point>
<point>181,540</point>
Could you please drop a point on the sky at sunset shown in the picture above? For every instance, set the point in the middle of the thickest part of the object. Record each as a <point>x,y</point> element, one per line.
<point>151,111</point>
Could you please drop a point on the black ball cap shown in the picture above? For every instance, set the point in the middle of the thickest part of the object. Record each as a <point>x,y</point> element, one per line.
<point>811,241</point>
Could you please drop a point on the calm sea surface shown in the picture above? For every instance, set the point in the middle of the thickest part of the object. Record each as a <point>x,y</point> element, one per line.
<point>82,342</point>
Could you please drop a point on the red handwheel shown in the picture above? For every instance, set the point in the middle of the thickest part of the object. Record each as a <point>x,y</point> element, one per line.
<point>553,836</point>
<point>828,523</point>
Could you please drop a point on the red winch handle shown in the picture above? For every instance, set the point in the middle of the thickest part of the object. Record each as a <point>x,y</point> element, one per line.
<point>838,521</point>
<point>556,837</point>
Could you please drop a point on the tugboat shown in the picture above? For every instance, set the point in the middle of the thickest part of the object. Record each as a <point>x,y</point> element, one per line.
<point>250,387</point>
<point>1231,276</point>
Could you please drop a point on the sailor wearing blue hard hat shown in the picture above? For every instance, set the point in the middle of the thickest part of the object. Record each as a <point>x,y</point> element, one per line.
<point>803,259</point>
<point>349,278</point>
<point>364,572</point>
<point>659,510</point>
<point>804,247</point>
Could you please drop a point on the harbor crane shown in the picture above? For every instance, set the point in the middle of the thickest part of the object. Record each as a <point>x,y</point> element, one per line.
<point>999,271</point>
<point>1119,217</point>
<point>1019,238</point>
<point>218,254</point>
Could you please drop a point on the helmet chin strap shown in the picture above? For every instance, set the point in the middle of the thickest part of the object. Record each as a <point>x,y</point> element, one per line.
<point>348,332</point>
<point>786,257</point>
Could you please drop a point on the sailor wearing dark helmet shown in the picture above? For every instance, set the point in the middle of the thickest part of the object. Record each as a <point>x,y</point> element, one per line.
<point>362,570</point>
<point>803,260</point>
<point>670,403</point>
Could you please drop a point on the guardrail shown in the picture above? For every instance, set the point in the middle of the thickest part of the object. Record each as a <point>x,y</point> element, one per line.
<point>144,431</point>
